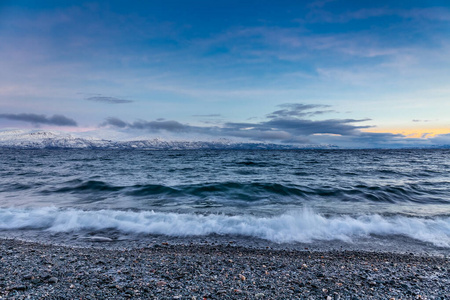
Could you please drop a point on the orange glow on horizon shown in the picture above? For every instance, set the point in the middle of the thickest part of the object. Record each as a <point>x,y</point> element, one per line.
<point>412,133</point>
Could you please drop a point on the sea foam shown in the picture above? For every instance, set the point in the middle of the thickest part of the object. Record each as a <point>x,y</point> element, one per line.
<point>303,225</point>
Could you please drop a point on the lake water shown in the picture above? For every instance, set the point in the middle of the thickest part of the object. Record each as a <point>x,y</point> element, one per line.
<point>374,199</point>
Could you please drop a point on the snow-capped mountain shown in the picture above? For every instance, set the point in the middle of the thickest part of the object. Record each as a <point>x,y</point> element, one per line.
<point>21,139</point>
<point>44,139</point>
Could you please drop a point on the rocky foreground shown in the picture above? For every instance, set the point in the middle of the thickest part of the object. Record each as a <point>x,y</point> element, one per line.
<point>162,271</point>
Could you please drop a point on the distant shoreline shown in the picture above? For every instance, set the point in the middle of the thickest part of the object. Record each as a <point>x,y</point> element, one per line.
<point>20,139</point>
<point>167,271</point>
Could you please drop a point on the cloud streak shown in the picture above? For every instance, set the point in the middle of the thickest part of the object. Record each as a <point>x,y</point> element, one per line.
<point>58,120</point>
<point>430,13</point>
<point>111,100</point>
<point>154,126</point>
<point>208,116</point>
<point>298,110</point>
<point>417,120</point>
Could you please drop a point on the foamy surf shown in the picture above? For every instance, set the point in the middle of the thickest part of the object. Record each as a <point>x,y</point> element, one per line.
<point>303,225</point>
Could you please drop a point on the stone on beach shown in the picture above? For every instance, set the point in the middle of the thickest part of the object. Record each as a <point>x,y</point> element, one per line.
<point>198,271</point>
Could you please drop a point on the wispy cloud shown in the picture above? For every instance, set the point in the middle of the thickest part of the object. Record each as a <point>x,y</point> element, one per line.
<point>430,13</point>
<point>208,116</point>
<point>319,3</point>
<point>254,45</point>
<point>111,100</point>
<point>36,119</point>
<point>298,110</point>
<point>323,16</point>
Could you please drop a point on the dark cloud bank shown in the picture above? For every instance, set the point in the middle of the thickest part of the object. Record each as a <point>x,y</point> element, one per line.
<point>290,124</point>
<point>58,120</point>
<point>171,126</point>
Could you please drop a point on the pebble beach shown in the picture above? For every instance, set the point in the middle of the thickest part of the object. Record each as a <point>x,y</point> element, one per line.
<point>193,271</point>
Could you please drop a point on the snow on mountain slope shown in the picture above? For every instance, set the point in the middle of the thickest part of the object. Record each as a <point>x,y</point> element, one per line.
<point>48,139</point>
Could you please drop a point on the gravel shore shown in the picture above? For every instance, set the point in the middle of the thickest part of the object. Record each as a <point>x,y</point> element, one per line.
<point>165,271</point>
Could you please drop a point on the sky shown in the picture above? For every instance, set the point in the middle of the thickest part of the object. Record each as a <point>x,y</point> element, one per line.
<point>356,74</point>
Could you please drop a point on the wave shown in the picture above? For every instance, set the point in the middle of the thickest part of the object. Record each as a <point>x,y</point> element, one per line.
<point>91,185</point>
<point>300,226</point>
<point>253,191</point>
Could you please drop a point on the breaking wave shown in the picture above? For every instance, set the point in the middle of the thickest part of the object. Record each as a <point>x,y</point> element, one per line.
<point>300,226</point>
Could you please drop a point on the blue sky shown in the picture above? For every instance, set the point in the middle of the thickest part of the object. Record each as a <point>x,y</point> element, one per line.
<point>350,73</point>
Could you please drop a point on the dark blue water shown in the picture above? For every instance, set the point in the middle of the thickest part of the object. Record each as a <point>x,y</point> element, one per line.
<point>279,196</point>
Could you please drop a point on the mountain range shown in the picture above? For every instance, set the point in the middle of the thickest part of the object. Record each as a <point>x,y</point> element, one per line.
<point>21,139</point>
